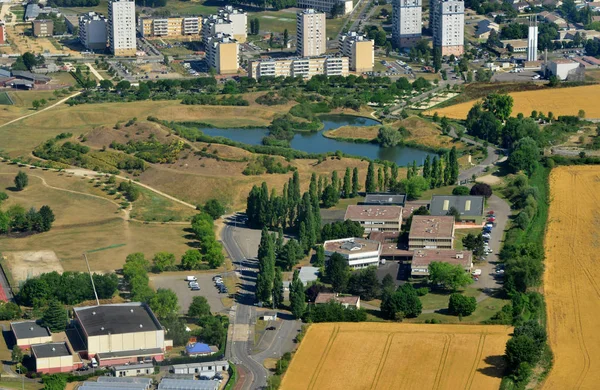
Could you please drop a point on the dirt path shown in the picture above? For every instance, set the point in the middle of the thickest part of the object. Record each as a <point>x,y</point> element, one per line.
<point>42,110</point>
<point>94,72</point>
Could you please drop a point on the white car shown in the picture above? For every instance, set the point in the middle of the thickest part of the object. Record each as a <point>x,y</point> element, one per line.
<point>476,272</point>
<point>191,278</point>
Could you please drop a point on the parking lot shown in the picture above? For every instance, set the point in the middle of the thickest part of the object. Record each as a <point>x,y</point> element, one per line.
<point>177,283</point>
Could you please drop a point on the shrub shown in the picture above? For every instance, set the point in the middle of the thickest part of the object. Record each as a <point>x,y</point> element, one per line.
<point>461,305</point>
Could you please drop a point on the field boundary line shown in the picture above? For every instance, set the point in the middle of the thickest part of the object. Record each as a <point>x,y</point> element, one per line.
<point>442,363</point>
<point>382,360</point>
<point>328,346</point>
<point>480,346</point>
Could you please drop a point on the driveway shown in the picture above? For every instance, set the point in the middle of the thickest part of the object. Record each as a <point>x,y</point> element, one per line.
<point>177,283</point>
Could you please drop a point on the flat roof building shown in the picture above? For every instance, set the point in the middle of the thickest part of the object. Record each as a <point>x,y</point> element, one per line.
<point>222,54</point>
<point>470,207</point>
<point>448,26</point>
<point>120,333</point>
<point>182,384</point>
<point>340,7</point>
<point>422,258</point>
<point>359,50</point>
<point>239,22</point>
<point>406,22</point>
<point>93,31</point>
<point>133,370</point>
<point>207,369</point>
<point>121,28</point>
<point>431,232</point>
<point>171,27</point>
<point>51,358</point>
<point>310,33</point>
<point>299,67</point>
<point>359,252</point>
<point>346,301</point>
<point>564,69</point>
<point>28,333</point>
<point>384,199</point>
<point>376,218</point>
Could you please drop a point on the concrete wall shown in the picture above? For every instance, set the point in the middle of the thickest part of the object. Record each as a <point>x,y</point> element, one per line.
<point>56,364</point>
<point>126,342</point>
<point>26,343</point>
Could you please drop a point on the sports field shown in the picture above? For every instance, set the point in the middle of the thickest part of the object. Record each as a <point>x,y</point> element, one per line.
<point>560,101</point>
<point>398,356</point>
<point>572,278</point>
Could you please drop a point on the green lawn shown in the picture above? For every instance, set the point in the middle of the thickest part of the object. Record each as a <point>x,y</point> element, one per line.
<point>485,310</point>
<point>439,300</point>
<point>153,207</point>
<point>344,203</point>
<point>459,234</point>
<point>436,191</point>
<point>5,99</point>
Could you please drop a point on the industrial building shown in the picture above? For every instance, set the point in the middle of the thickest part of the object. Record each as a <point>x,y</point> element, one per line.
<point>448,26</point>
<point>183,384</point>
<point>348,301</point>
<point>51,358</point>
<point>171,27</point>
<point>422,258</point>
<point>121,28</point>
<point>431,232</point>
<point>43,28</point>
<point>133,370</point>
<point>384,199</point>
<point>112,383</point>
<point>27,333</point>
<point>207,369</point>
<point>344,7</point>
<point>299,67</point>
<point>222,54</point>
<point>564,69</point>
<point>359,50</point>
<point>120,333</point>
<point>311,37</point>
<point>359,252</point>
<point>470,207</point>
<point>406,22</point>
<point>93,31</point>
<point>376,218</point>
<point>485,27</point>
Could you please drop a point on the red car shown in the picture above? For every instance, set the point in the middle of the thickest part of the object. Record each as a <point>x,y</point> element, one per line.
<point>491,219</point>
<point>491,212</point>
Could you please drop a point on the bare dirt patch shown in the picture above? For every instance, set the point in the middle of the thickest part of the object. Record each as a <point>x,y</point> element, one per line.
<point>23,265</point>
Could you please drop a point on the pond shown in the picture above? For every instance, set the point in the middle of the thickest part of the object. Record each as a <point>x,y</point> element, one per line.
<point>316,143</point>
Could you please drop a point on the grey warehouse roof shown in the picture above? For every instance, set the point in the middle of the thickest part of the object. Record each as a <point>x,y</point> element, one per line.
<point>125,379</point>
<point>465,204</point>
<point>50,350</point>
<point>29,329</point>
<point>117,319</point>
<point>183,384</point>
<point>385,199</point>
<point>131,353</point>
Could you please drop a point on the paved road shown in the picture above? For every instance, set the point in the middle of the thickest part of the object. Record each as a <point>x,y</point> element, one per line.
<point>494,154</point>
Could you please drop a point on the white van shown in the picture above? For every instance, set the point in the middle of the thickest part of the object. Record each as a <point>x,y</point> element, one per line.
<point>94,363</point>
<point>191,279</point>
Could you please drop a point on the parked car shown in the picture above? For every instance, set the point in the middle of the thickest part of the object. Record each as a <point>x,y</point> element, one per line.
<point>491,219</point>
<point>191,278</point>
<point>195,288</point>
<point>270,328</point>
<point>216,277</point>
<point>491,212</point>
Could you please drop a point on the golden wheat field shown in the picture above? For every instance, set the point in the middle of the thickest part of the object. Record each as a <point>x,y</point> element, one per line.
<point>398,356</point>
<point>561,101</point>
<point>572,278</point>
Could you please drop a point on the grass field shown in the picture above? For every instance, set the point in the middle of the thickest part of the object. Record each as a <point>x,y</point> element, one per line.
<point>560,101</point>
<point>398,356</point>
<point>87,220</point>
<point>572,278</point>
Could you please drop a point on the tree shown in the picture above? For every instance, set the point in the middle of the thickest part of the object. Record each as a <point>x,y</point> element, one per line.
<point>437,59</point>
<point>460,190</point>
<point>55,316</point>
<point>191,259</point>
<point>46,218</point>
<point>199,307</point>
<point>36,104</point>
<point>347,186</point>
<point>297,298</point>
<point>213,331</point>
<point>449,276</point>
<point>338,272</point>
<point>21,181</point>
<point>388,284</point>
<point>474,243</point>
<point>266,267</point>
<point>553,81</point>
<point>163,261</point>
<point>498,104</point>
<point>453,211</point>
<point>522,349</point>
<point>404,302</point>
<point>330,196</point>
<point>10,311</point>
<point>370,184</point>
<point>414,187</point>
<point>106,84</point>
<point>461,305</point>
<point>481,189</point>
<point>525,156</point>
<point>17,354</point>
<point>214,208</point>
<point>164,303</point>
<point>286,37</point>
<point>277,288</point>
<point>364,283</point>
<point>29,60</point>
<point>354,183</point>
<point>388,137</point>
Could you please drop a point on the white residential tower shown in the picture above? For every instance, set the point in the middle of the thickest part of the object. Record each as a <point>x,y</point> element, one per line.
<point>310,33</point>
<point>121,27</point>
<point>448,26</point>
<point>406,22</point>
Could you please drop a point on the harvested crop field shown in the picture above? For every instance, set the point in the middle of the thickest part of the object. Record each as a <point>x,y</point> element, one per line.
<point>398,356</point>
<point>572,278</point>
<point>560,101</point>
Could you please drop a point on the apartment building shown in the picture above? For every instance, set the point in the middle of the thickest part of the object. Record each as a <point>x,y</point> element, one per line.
<point>358,252</point>
<point>171,27</point>
<point>121,27</point>
<point>448,26</point>
<point>376,218</point>
<point>360,50</point>
<point>2,33</point>
<point>406,22</point>
<point>299,67</point>
<point>239,22</point>
<point>430,232</point>
<point>214,25</point>
<point>93,31</point>
<point>43,28</point>
<point>222,54</point>
<point>310,33</point>
<point>344,7</point>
